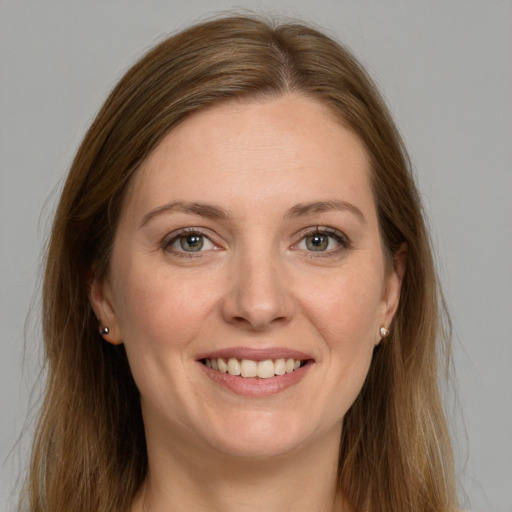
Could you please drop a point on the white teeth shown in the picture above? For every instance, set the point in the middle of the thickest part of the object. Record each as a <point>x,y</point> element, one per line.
<point>279,367</point>
<point>223,367</point>
<point>233,366</point>
<point>266,369</point>
<point>249,368</point>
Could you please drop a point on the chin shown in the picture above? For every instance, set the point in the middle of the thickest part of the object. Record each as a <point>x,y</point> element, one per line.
<point>259,436</point>
<point>247,448</point>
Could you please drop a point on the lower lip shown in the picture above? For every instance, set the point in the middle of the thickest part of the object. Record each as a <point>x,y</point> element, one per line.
<point>253,386</point>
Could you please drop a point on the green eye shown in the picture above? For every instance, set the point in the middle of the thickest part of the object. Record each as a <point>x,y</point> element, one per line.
<point>189,242</point>
<point>317,242</point>
<point>324,240</point>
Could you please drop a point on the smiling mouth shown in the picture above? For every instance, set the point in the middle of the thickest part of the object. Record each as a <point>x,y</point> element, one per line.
<point>248,368</point>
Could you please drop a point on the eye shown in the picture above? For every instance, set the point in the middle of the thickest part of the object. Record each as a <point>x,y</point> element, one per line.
<point>317,242</point>
<point>189,241</point>
<point>326,240</point>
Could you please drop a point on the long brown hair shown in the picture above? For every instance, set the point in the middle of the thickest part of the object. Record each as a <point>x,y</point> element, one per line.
<point>89,452</point>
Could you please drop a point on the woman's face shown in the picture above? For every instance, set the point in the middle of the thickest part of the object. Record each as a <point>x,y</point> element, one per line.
<point>249,240</point>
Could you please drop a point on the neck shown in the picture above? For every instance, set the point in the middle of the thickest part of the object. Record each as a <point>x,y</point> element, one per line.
<point>183,479</point>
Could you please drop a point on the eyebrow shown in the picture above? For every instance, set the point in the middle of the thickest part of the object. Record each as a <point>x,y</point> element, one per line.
<point>304,209</point>
<point>202,209</point>
<point>218,213</point>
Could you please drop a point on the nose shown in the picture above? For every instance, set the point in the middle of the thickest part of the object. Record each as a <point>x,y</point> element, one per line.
<point>258,297</point>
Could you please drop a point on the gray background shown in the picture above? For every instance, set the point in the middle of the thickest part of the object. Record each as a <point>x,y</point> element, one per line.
<point>445,68</point>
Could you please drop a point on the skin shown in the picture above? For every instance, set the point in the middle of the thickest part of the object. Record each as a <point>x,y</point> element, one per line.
<point>257,284</point>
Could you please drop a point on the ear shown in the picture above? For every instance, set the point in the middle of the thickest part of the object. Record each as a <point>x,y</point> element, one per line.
<point>100,297</point>
<point>393,285</point>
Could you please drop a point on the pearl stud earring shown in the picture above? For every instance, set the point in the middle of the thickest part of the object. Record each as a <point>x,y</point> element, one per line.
<point>384,332</point>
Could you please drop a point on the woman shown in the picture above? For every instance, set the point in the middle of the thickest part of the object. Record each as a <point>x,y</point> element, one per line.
<point>240,305</point>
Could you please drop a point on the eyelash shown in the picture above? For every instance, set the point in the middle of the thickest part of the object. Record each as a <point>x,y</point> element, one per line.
<point>174,237</point>
<point>339,237</point>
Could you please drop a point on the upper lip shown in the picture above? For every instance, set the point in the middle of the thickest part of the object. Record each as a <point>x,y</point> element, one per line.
<point>256,354</point>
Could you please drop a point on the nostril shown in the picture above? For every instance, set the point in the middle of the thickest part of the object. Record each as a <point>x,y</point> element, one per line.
<point>257,302</point>
<point>259,323</point>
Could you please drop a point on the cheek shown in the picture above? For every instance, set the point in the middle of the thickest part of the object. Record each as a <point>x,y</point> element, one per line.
<point>161,311</point>
<point>345,312</point>
<point>160,316</point>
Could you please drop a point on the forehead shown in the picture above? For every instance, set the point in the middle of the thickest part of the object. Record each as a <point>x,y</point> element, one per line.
<point>254,153</point>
